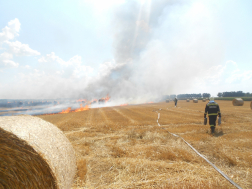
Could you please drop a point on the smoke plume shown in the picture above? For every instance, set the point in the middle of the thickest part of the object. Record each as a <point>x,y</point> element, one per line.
<point>160,47</point>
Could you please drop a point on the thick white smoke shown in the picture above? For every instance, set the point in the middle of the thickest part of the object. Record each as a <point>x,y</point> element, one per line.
<point>160,47</point>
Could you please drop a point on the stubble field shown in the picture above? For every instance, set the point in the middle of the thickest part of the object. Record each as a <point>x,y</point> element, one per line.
<point>123,146</point>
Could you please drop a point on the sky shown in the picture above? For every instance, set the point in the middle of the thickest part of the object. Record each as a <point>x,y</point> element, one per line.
<point>133,50</point>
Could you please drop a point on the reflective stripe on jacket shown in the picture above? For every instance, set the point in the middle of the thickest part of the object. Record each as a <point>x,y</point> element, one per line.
<point>212,109</point>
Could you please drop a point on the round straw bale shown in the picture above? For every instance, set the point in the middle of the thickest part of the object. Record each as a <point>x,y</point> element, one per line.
<point>203,100</point>
<point>251,104</point>
<point>187,100</point>
<point>35,154</point>
<point>195,100</point>
<point>237,102</point>
<point>167,100</point>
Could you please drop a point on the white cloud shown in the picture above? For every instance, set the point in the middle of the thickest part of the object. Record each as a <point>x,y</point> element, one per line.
<point>50,57</point>
<point>13,48</point>
<point>20,49</point>
<point>225,77</point>
<point>42,59</point>
<point>216,74</point>
<point>247,75</point>
<point>239,77</point>
<point>6,55</point>
<point>76,60</point>
<point>6,61</point>
<point>10,63</point>
<point>60,72</point>
<point>213,74</point>
<point>56,59</point>
<point>10,31</point>
<point>71,68</point>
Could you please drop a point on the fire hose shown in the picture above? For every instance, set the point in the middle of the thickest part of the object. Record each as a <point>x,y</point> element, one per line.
<point>216,168</point>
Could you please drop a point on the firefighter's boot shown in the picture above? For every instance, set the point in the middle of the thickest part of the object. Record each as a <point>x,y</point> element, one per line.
<point>212,130</point>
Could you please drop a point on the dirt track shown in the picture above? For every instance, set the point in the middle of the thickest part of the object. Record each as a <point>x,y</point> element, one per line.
<point>123,147</point>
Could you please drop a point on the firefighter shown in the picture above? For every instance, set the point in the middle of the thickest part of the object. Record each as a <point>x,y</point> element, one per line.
<point>213,109</point>
<point>175,100</point>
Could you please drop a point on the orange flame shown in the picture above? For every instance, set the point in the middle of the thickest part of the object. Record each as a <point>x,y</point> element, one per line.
<point>82,108</point>
<point>66,111</point>
<point>76,110</point>
<point>106,99</point>
<point>124,105</point>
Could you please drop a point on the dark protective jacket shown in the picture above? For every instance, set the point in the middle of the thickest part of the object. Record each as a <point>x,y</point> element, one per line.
<point>213,109</point>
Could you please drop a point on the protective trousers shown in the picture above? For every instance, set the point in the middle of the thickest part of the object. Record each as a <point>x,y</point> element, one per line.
<point>212,122</point>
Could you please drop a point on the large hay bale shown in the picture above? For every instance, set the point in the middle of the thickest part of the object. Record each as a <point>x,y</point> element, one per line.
<point>238,102</point>
<point>34,154</point>
<point>195,100</point>
<point>187,100</point>
<point>251,104</point>
<point>203,100</point>
<point>167,100</point>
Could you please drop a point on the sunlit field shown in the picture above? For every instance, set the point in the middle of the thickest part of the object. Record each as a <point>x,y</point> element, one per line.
<point>123,146</point>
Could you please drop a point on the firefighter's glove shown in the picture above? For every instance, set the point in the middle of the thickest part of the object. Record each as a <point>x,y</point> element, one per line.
<point>219,121</point>
<point>205,121</point>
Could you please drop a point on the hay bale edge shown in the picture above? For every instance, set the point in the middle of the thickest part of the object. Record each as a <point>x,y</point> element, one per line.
<point>238,102</point>
<point>48,141</point>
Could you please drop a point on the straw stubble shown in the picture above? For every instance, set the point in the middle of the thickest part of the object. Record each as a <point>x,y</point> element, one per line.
<point>123,147</point>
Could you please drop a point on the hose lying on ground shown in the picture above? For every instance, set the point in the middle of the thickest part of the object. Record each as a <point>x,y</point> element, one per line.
<point>216,168</point>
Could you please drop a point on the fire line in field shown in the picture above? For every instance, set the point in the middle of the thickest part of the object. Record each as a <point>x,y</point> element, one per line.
<point>68,110</point>
<point>124,105</point>
<point>86,107</point>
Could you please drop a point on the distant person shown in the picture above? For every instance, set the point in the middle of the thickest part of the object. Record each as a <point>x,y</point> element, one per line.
<point>212,109</point>
<point>175,100</point>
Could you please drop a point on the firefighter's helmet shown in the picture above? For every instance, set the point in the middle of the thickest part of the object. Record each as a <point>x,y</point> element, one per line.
<point>211,98</point>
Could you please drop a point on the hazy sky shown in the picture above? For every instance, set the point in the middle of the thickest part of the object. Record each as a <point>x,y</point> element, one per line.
<point>133,50</point>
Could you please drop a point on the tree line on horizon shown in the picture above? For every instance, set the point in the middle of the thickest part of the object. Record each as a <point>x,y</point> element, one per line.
<point>208,95</point>
<point>234,94</point>
<point>188,96</point>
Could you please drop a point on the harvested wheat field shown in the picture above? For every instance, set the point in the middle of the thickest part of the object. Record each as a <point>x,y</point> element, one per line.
<point>124,147</point>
